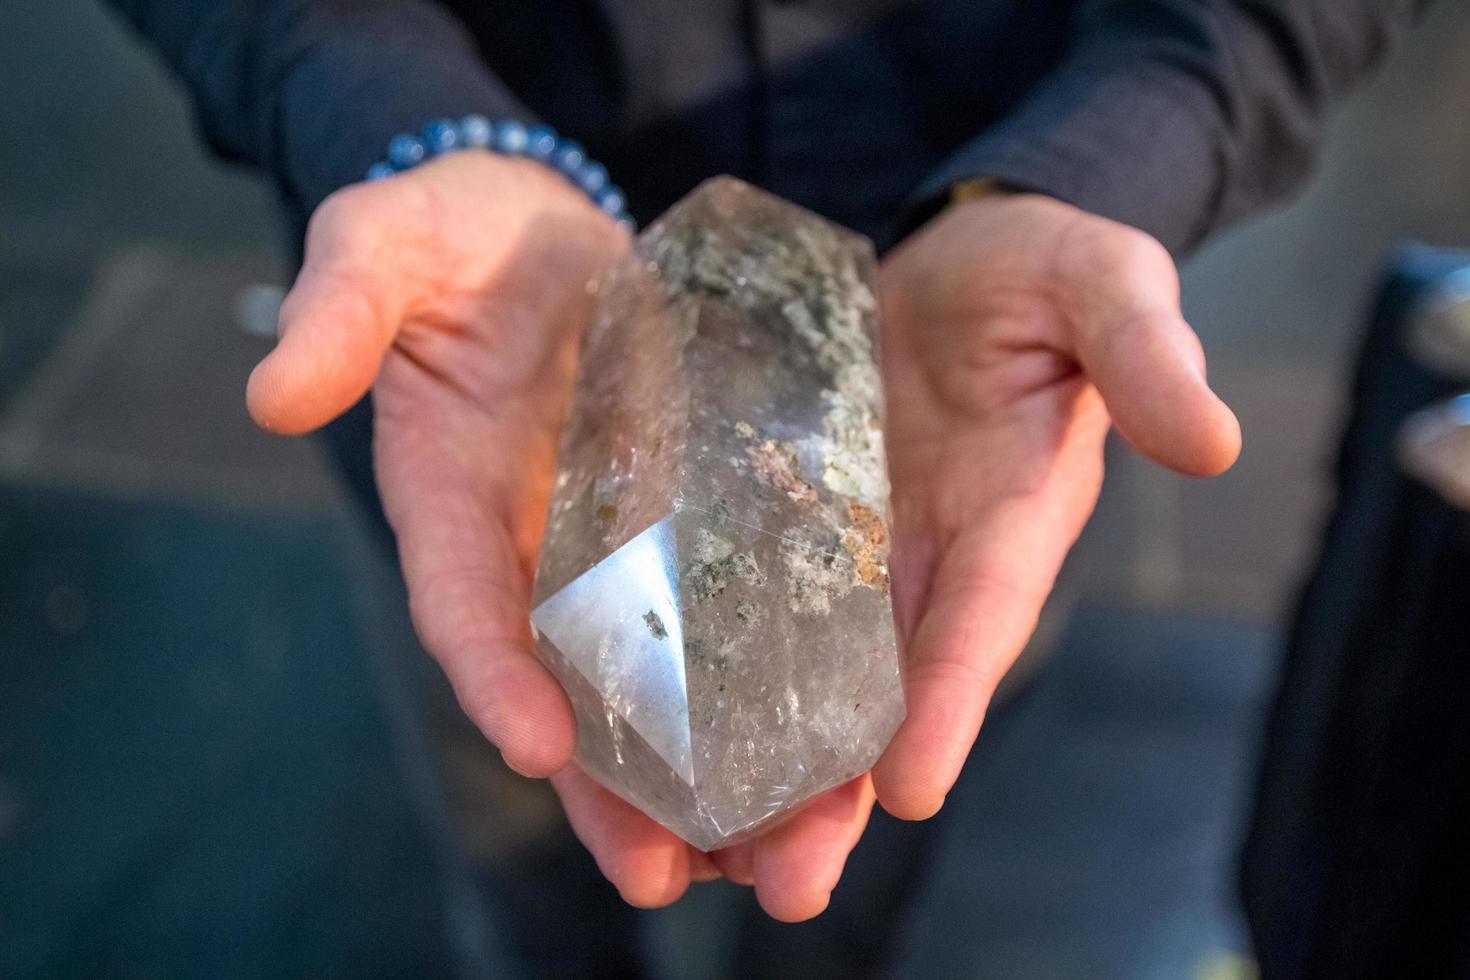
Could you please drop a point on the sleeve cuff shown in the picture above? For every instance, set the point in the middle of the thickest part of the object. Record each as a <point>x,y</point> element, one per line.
<point>1139,146</point>
<point>353,92</point>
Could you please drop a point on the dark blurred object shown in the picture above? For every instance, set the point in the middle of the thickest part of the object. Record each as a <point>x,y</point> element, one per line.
<point>1434,447</point>
<point>1439,329</point>
<point>1358,860</point>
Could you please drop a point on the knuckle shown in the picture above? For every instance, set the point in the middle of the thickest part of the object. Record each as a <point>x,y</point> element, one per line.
<point>367,216</point>
<point>1099,249</point>
<point>341,210</point>
<point>1141,248</point>
<point>951,673</point>
<point>968,684</point>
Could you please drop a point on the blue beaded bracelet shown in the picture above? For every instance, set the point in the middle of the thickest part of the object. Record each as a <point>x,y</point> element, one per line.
<point>510,138</point>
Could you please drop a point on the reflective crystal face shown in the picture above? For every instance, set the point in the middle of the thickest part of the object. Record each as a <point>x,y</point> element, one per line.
<point>713,590</point>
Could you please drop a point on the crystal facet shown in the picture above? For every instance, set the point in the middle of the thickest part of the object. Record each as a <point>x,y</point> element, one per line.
<point>713,590</point>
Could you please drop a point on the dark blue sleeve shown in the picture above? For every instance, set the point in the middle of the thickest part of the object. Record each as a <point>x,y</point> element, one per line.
<point>1182,116</point>
<point>312,90</point>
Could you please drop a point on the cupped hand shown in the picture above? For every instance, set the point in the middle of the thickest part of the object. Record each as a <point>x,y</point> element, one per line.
<point>1017,330</point>
<point>456,293</point>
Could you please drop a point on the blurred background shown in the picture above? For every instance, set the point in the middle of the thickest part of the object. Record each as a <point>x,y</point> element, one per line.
<point>197,773</point>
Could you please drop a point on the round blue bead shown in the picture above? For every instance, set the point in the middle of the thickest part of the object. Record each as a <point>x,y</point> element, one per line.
<point>405,151</point>
<point>511,137</point>
<point>380,171</point>
<point>591,177</point>
<point>628,224</point>
<point>475,131</point>
<point>441,136</point>
<point>610,200</point>
<point>568,156</point>
<point>540,143</point>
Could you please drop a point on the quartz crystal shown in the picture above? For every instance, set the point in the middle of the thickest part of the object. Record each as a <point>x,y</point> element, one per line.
<point>713,589</point>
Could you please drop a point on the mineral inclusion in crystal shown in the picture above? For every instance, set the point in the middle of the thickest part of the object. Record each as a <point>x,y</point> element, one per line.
<point>713,589</point>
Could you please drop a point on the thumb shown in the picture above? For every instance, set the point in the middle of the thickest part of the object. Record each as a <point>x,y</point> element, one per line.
<point>1146,361</point>
<point>336,324</point>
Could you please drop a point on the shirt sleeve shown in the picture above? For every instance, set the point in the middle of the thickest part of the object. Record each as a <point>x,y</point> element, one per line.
<point>1182,116</point>
<point>313,90</point>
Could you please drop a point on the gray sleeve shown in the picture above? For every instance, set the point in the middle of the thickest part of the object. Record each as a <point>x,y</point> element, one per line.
<point>312,90</point>
<point>1182,116</point>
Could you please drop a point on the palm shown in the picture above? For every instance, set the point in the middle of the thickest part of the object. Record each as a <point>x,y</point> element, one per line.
<point>468,405</point>
<point>994,437</point>
<point>1002,319</point>
<point>978,382</point>
<point>468,402</point>
<point>456,293</point>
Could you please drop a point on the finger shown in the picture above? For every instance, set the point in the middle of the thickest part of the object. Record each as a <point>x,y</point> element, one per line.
<point>469,599</point>
<point>737,863</point>
<point>978,619</point>
<point>1145,368</point>
<point>702,867</point>
<point>647,864</point>
<point>337,322</point>
<point>1144,358</point>
<point>980,610</point>
<point>798,863</point>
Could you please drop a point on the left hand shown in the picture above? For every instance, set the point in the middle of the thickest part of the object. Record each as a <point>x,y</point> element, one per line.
<point>457,292</point>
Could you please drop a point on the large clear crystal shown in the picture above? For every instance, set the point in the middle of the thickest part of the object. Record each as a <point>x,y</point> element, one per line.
<point>713,590</point>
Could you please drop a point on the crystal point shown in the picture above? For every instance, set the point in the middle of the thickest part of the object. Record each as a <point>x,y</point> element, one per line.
<point>713,589</point>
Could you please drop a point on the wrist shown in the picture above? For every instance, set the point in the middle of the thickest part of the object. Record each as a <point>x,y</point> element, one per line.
<point>538,144</point>
<point>978,188</point>
<point>986,196</point>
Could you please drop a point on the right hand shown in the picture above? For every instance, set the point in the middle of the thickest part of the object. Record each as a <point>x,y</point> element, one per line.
<point>457,293</point>
<point>1017,331</point>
